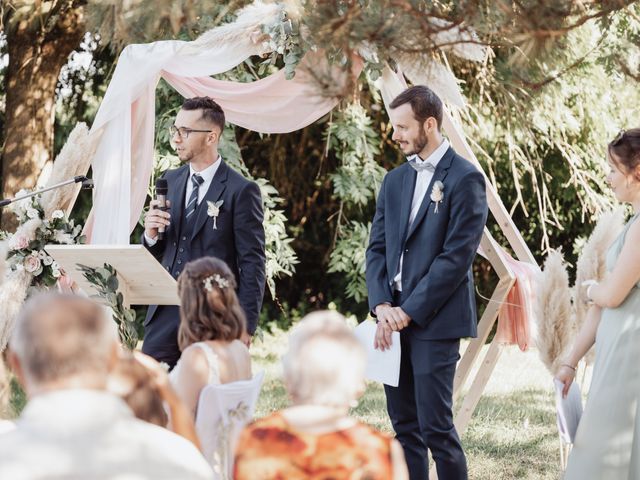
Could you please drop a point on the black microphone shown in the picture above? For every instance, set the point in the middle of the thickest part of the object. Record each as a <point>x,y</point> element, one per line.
<point>162,188</point>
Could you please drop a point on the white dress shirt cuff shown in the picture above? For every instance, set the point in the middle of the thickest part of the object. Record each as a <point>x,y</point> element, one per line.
<point>150,241</point>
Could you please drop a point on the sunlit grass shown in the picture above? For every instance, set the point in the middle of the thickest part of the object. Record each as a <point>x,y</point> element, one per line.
<point>512,434</point>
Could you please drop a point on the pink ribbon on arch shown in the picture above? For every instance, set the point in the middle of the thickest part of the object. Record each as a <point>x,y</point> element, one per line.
<point>272,104</point>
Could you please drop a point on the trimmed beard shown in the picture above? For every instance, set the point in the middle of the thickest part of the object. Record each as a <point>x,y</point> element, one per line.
<point>420,143</point>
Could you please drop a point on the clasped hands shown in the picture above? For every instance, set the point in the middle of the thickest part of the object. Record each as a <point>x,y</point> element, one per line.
<point>390,319</point>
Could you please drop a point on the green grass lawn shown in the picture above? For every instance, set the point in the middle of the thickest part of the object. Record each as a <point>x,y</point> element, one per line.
<point>511,435</point>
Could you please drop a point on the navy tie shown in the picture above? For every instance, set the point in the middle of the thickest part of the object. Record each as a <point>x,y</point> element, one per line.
<point>192,204</point>
<point>420,167</point>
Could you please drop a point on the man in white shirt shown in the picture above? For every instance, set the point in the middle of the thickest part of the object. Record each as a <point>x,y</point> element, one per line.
<point>62,350</point>
<point>429,220</point>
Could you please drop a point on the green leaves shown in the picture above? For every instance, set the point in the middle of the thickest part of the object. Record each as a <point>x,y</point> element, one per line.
<point>356,182</point>
<point>105,281</point>
<point>348,257</point>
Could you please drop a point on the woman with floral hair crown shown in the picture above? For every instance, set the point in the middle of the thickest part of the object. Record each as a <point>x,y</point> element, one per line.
<point>211,324</point>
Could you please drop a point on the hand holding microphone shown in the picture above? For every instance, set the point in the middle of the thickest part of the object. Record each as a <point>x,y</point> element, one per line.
<point>157,218</point>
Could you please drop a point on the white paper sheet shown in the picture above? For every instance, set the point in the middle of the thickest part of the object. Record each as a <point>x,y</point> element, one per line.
<point>384,366</point>
<point>568,410</point>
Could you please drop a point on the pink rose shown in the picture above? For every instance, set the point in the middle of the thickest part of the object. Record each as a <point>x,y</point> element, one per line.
<point>32,264</point>
<point>18,242</point>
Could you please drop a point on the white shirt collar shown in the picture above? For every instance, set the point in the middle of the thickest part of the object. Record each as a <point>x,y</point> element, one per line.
<point>208,173</point>
<point>76,407</point>
<point>435,156</point>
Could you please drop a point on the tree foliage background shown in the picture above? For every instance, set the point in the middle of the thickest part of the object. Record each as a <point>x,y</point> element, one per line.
<point>560,81</point>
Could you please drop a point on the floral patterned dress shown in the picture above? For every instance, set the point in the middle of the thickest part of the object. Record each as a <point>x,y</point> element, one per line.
<point>270,449</point>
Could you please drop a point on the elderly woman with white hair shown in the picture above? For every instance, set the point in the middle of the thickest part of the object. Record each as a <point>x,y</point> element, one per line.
<point>315,438</point>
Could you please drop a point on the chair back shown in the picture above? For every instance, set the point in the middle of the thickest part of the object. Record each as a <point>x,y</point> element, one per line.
<point>223,411</point>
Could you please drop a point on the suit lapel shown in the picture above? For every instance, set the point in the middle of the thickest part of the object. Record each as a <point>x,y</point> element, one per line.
<point>408,185</point>
<point>176,198</point>
<point>439,175</point>
<point>217,187</point>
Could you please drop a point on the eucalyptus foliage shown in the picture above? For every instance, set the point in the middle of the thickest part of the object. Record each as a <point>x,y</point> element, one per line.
<point>355,183</point>
<point>105,280</point>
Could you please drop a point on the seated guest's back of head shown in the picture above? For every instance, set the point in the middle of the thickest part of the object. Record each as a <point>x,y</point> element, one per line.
<point>135,384</point>
<point>211,325</point>
<point>324,376</point>
<point>62,339</point>
<point>62,350</point>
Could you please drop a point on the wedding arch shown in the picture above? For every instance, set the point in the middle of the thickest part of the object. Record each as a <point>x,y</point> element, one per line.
<point>122,137</point>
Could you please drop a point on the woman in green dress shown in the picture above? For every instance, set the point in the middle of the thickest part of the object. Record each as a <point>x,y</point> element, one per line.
<point>607,444</point>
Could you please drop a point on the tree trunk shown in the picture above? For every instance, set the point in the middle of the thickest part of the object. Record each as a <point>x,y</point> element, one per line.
<point>37,52</point>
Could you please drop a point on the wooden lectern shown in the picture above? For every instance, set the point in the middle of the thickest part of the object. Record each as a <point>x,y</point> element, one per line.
<point>142,279</point>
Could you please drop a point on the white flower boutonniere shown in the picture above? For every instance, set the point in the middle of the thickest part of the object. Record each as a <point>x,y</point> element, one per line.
<point>437,194</point>
<point>213,210</point>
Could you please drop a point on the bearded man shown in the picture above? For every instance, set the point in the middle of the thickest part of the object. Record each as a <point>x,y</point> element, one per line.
<point>430,215</point>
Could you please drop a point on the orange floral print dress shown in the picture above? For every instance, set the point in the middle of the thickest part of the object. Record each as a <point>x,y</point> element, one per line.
<point>269,449</point>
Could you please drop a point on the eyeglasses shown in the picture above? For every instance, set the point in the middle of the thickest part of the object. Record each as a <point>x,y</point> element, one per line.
<point>184,132</point>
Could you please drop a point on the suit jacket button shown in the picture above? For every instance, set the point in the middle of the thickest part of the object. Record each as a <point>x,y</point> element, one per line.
<point>406,250</point>
<point>167,267</point>
<point>175,244</point>
<point>181,249</point>
<point>184,238</point>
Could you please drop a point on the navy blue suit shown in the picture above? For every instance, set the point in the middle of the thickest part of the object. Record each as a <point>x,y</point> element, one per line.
<point>438,295</point>
<point>238,240</point>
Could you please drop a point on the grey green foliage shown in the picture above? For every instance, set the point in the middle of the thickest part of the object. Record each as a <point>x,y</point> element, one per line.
<point>105,280</point>
<point>356,182</point>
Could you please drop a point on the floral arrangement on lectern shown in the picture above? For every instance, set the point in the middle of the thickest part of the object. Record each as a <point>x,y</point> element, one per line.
<point>26,247</point>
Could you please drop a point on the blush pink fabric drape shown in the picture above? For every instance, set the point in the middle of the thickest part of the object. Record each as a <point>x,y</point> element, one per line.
<point>125,153</point>
<point>516,314</point>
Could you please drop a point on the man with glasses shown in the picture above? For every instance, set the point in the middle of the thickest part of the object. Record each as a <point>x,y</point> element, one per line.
<point>213,211</point>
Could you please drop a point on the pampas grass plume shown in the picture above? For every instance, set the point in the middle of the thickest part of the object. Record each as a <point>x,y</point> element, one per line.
<point>591,262</point>
<point>556,325</point>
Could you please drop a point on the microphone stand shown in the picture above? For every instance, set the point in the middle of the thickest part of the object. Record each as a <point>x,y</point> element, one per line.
<point>86,183</point>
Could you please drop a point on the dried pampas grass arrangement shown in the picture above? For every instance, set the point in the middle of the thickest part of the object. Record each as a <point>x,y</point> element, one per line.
<point>4,249</point>
<point>591,263</point>
<point>12,295</point>
<point>556,323</point>
<point>73,159</point>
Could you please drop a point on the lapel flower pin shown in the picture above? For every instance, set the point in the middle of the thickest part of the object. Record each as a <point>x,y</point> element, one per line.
<point>213,210</point>
<point>437,194</point>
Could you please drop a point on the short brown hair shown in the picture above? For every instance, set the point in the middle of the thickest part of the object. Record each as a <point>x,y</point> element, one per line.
<point>212,311</point>
<point>424,103</point>
<point>59,336</point>
<point>211,111</point>
<point>624,151</point>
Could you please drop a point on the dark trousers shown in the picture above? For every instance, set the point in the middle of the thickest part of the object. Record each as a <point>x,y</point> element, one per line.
<point>161,335</point>
<point>420,407</point>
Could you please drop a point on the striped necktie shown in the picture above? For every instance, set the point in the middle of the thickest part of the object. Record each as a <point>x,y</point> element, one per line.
<point>196,180</point>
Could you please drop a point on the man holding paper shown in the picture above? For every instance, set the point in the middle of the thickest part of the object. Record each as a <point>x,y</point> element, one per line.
<point>429,220</point>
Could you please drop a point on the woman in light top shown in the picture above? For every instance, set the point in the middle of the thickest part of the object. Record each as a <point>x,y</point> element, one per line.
<point>607,444</point>
<point>211,324</point>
